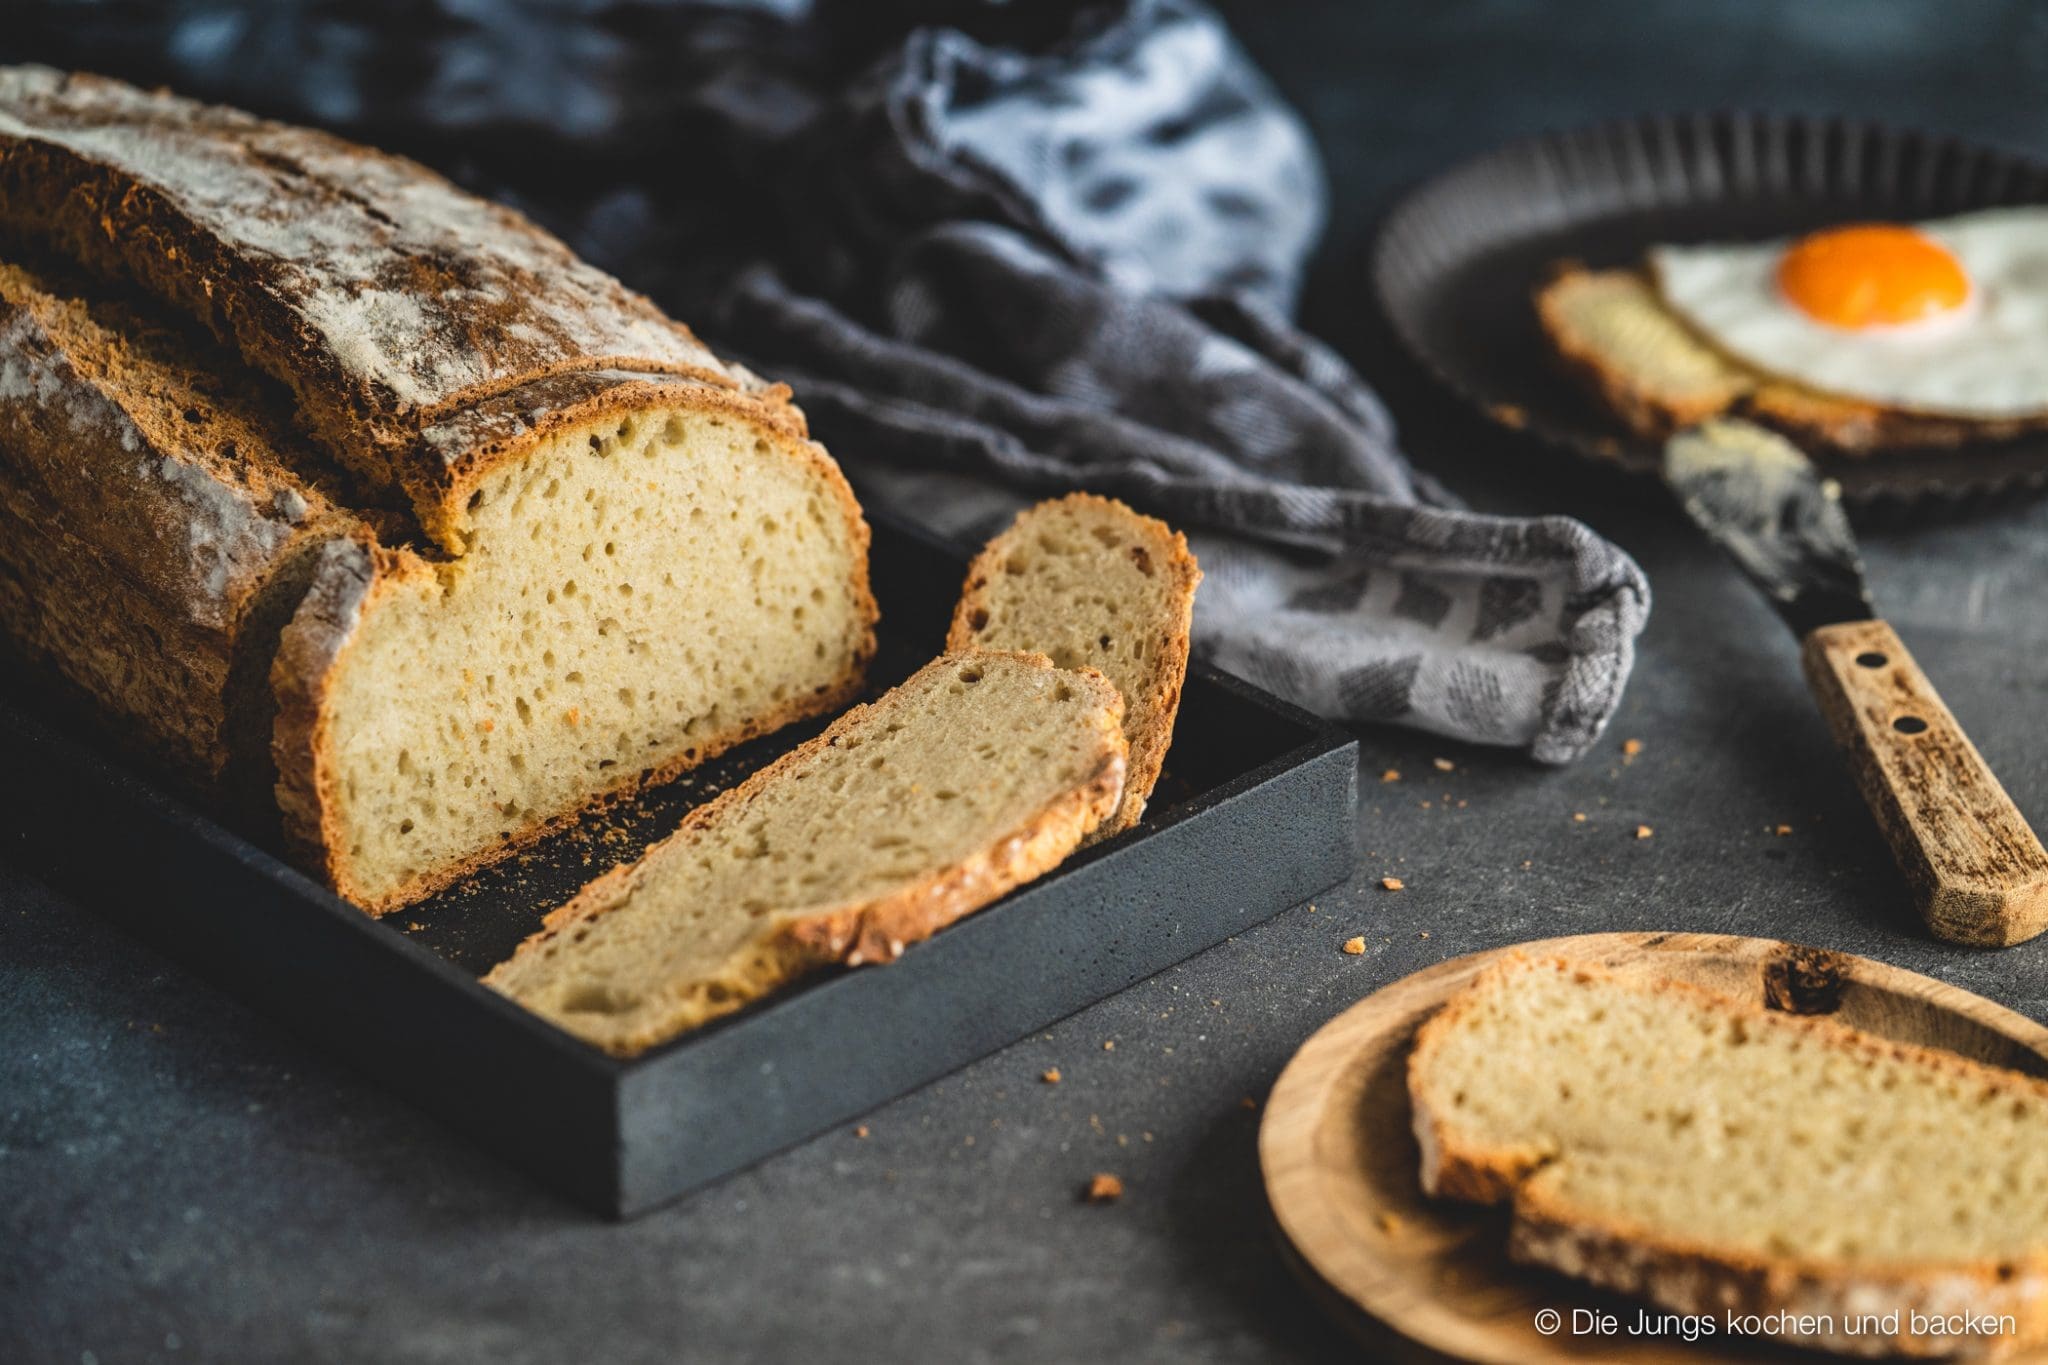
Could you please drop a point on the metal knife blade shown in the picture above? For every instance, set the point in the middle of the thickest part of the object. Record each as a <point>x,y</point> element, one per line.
<point>1759,498</point>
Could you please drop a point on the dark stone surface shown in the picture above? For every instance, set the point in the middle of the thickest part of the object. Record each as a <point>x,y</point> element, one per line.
<point>179,1182</point>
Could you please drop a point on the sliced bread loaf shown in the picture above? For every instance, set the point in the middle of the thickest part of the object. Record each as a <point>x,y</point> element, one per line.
<point>1656,374</point>
<point>977,774</point>
<point>561,549</point>
<point>1090,583</point>
<point>1712,1155</point>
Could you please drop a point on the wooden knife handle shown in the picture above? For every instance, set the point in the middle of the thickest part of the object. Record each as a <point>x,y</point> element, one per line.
<point>1979,873</point>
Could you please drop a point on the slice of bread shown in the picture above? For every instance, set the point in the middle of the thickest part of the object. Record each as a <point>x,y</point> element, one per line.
<point>1090,583</point>
<point>1714,1156</point>
<point>1656,374</point>
<point>976,775</point>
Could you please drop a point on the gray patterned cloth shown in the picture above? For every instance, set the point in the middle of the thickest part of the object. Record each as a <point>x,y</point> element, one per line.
<point>1016,250</point>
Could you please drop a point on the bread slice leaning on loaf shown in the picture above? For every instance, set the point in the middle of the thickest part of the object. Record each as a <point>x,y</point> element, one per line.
<point>979,773</point>
<point>570,550</point>
<point>1715,1156</point>
<point>1090,583</point>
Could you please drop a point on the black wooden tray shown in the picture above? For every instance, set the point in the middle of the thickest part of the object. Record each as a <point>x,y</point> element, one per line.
<point>1457,261</point>
<point>1257,811</point>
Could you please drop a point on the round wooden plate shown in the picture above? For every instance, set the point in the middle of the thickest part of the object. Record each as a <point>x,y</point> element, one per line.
<point>1431,1280</point>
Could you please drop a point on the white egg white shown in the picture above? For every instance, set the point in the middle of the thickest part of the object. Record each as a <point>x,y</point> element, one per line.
<point>1986,360</point>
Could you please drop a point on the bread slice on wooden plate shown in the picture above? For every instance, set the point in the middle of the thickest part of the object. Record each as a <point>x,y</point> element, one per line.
<point>1656,374</point>
<point>980,772</point>
<point>1090,583</point>
<point>1714,1156</point>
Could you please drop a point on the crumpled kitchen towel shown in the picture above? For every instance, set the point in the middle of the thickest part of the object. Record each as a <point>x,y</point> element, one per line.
<point>998,256</point>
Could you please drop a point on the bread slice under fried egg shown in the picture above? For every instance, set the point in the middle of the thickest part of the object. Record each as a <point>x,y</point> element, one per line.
<point>1660,349</point>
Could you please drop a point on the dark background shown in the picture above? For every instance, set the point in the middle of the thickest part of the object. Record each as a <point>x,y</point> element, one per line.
<point>180,1182</point>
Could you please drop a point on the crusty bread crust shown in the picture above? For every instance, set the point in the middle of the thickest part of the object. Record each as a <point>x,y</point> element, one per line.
<point>148,509</point>
<point>1816,420</point>
<point>1148,719</point>
<point>384,297</point>
<point>877,930</point>
<point>1689,1276</point>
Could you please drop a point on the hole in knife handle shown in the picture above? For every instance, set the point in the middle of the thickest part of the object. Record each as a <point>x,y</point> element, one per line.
<point>1909,725</point>
<point>1870,658</point>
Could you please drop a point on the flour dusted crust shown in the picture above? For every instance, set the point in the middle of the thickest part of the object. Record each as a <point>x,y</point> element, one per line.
<point>1689,1276</point>
<point>384,297</point>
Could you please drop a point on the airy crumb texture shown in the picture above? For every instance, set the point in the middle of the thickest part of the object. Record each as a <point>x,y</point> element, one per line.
<point>1092,584</point>
<point>1656,375</point>
<point>979,773</point>
<point>639,594</point>
<point>1709,1154</point>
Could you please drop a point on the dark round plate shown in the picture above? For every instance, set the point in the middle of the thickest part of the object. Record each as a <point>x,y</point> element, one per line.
<point>1458,259</point>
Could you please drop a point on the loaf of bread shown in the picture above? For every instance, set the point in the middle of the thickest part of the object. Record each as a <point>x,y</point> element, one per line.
<point>1715,1156</point>
<point>1089,583</point>
<point>979,773</point>
<point>539,544</point>
<point>1655,374</point>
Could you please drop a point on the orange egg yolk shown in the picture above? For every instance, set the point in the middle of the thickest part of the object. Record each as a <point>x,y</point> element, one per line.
<point>1872,275</point>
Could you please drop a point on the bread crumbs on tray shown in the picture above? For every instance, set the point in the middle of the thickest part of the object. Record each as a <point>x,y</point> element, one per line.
<point>861,1131</point>
<point>1782,830</point>
<point>1051,1075</point>
<point>1578,817</point>
<point>1644,831</point>
<point>1109,1044</point>
<point>1631,747</point>
<point>1392,884</point>
<point>1391,775</point>
<point>1105,1188</point>
<point>1444,765</point>
<point>1355,946</point>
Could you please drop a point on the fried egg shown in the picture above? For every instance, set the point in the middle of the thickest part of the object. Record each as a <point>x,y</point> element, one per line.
<point>1946,317</point>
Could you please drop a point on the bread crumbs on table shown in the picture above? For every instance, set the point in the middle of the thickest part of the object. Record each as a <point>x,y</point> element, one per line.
<point>1443,765</point>
<point>1392,883</point>
<point>1391,775</point>
<point>1051,1075</point>
<point>1578,817</point>
<point>1109,1044</point>
<point>1247,1103</point>
<point>1644,831</point>
<point>1105,1188</point>
<point>1631,747</point>
<point>861,1131</point>
<point>1782,830</point>
<point>1354,946</point>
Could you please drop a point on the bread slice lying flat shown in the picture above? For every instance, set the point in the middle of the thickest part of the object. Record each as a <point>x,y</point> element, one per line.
<point>976,775</point>
<point>1713,1156</point>
<point>1090,583</point>
<point>1655,374</point>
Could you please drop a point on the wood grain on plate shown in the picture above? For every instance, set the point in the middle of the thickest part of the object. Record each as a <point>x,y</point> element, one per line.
<point>1457,260</point>
<point>1430,1280</point>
